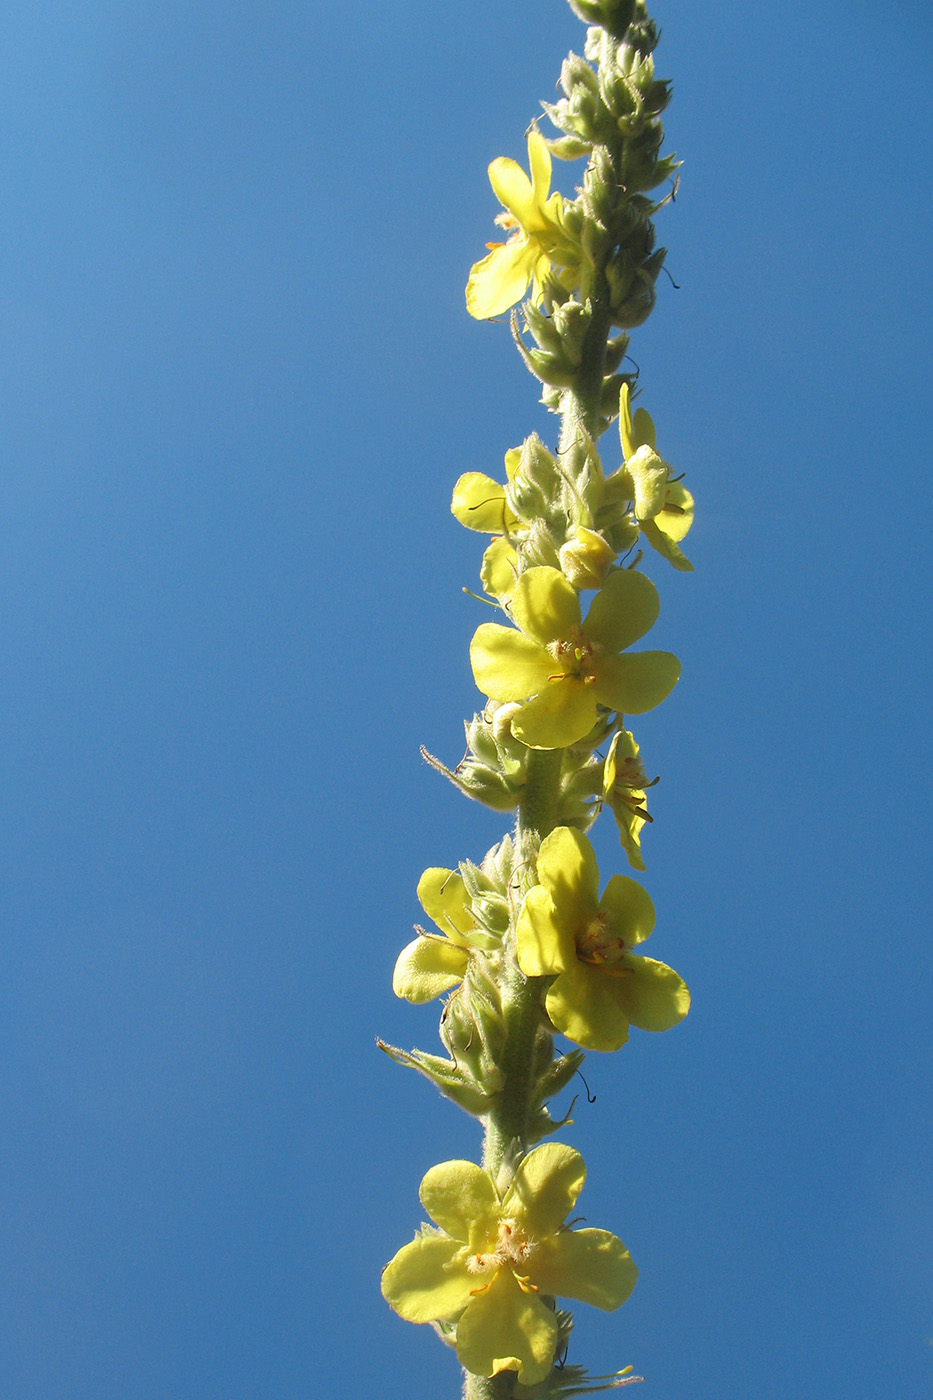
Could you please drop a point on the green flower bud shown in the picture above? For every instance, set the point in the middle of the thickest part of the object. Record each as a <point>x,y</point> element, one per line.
<point>549,368</point>
<point>572,321</point>
<point>614,15</point>
<point>636,306</point>
<point>539,468</point>
<point>498,864</point>
<point>600,190</point>
<point>473,1030</point>
<point>544,328</point>
<point>596,240</point>
<point>575,73</point>
<point>557,1075</point>
<point>570,147</point>
<point>539,547</point>
<point>616,351</point>
<point>493,913</point>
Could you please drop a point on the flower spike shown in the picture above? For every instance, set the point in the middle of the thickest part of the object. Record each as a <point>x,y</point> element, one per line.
<point>525,947</point>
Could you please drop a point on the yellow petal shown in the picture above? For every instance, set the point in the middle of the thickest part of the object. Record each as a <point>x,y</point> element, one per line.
<point>561,713</point>
<point>568,871</point>
<point>583,1008</point>
<point>635,683</point>
<point>539,163</point>
<point>427,968</point>
<point>625,422</point>
<point>545,605</point>
<point>512,188</point>
<point>592,1266</point>
<point>628,908</point>
<point>643,434</point>
<point>428,1279</point>
<point>479,503</point>
<point>666,546</point>
<point>460,1197</point>
<point>544,945</point>
<point>624,609</point>
<point>506,664</point>
<point>505,1329</point>
<point>637,432</point>
<point>501,279</point>
<point>676,516</point>
<point>654,998</point>
<point>444,899</point>
<point>545,1188</point>
<point>499,569</point>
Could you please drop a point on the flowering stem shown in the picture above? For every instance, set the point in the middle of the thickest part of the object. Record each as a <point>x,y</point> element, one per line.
<point>521,1011</point>
<point>580,406</point>
<point>539,809</point>
<point>499,1387</point>
<point>534,902</point>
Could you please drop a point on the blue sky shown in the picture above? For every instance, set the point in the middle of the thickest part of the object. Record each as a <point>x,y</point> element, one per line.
<point>238,382</point>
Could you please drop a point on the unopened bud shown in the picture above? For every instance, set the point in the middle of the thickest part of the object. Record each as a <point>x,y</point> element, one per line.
<point>586,560</point>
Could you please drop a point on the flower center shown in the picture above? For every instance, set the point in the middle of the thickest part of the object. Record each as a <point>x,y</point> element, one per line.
<point>513,1249</point>
<point>575,656</point>
<point>630,774</point>
<point>630,778</point>
<point>597,944</point>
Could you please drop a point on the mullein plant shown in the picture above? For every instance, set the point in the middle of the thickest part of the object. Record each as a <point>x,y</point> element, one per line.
<point>530,942</point>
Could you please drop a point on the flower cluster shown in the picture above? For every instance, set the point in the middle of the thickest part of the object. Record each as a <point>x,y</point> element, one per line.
<point>526,946</point>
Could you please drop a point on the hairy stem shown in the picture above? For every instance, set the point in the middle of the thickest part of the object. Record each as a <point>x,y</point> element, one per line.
<point>498,1387</point>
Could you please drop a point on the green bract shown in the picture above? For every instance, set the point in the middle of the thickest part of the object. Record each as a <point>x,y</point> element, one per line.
<point>563,667</point>
<point>494,1259</point>
<point>431,964</point>
<point>567,931</point>
<point>538,237</point>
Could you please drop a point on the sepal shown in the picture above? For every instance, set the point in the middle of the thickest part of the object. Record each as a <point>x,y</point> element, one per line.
<point>496,780</point>
<point>444,1075</point>
<point>567,1382</point>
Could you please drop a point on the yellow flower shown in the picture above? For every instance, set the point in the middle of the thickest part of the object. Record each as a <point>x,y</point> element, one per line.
<point>563,667</point>
<point>566,931</point>
<point>492,1259</point>
<point>624,785</point>
<point>662,507</point>
<point>538,238</point>
<point>480,503</point>
<point>433,963</point>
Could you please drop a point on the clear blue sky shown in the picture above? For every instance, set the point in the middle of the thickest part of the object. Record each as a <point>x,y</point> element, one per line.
<point>238,382</point>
